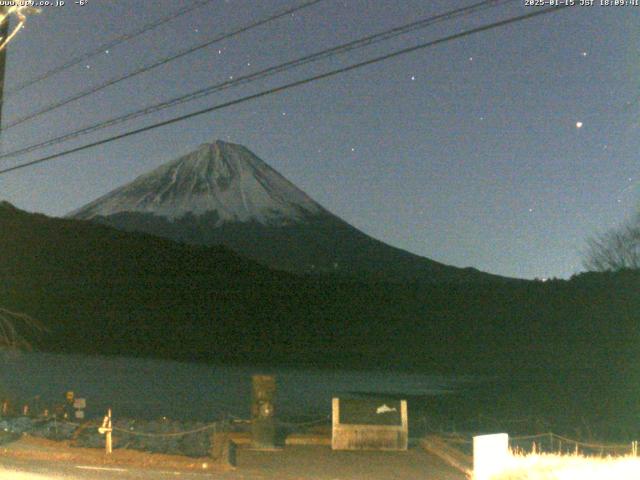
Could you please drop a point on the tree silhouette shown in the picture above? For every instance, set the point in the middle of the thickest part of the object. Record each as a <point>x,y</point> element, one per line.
<point>12,323</point>
<point>617,249</point>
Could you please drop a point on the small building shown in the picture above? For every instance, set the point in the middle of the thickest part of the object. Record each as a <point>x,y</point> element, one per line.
<point>369,424</point>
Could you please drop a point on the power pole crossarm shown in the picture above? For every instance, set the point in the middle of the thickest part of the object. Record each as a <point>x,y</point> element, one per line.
<point>6,36</point>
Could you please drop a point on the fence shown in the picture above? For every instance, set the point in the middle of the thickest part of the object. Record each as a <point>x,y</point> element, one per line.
<point>547,443</point>
<point>164,435</point>
<point>457,450</point>
<point>553,443</point>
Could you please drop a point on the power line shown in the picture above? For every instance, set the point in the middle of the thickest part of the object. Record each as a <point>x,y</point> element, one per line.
<point>288,86</point>
<point>158,63</point>
<point>359,43</point>
<point>109,45</point>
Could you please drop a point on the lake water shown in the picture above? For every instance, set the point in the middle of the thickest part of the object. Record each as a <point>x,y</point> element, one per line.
<point>145,388</point>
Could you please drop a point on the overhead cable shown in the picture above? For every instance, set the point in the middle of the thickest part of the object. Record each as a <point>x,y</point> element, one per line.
<point>105,47</point>
<point>250,78</point>
<point>271,91</point>
<point>158,63</point>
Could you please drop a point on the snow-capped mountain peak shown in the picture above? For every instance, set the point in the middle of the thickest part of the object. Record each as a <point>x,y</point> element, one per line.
<point>222,194</point>
<point>221,178</point>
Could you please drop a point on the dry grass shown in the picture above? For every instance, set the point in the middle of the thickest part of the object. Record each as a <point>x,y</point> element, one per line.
<point>537,466</point>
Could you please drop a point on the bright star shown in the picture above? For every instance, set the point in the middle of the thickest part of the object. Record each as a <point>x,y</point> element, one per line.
<point>579,124</point>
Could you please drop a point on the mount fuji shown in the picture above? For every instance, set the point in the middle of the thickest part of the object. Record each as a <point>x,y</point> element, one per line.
<point>223,194</point>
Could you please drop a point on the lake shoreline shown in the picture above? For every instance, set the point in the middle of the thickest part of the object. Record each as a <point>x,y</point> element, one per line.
<point>566,401</point>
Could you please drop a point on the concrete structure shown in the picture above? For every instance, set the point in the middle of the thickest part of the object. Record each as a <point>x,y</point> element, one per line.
<point>370,425</point>
<point>263,426</point>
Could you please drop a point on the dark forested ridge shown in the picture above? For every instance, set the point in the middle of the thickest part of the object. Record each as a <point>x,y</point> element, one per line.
<point>321,244</point>
<point>100,290</point>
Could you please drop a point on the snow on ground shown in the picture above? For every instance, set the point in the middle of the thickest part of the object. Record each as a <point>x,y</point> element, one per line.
<point>13,475</point>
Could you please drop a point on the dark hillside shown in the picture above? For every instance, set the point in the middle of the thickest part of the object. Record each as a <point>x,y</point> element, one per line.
<point>102,290</point>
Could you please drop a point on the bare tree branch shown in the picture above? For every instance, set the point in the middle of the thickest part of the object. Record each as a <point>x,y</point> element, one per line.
<point>617,249</point>
<point>12,325</point>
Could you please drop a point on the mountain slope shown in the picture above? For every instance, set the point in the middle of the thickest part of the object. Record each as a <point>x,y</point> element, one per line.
<point>222,194</point>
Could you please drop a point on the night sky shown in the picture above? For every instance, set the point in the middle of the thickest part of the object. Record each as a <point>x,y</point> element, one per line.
<point>504,150</point>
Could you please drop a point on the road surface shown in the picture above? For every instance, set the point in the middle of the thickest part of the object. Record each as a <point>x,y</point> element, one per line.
<point>17,462</point>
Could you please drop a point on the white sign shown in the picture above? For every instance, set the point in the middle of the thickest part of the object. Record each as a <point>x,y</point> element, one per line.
<point>490,455</point>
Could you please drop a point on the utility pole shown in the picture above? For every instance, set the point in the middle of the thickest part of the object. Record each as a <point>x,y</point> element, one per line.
<point>4,33</point>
